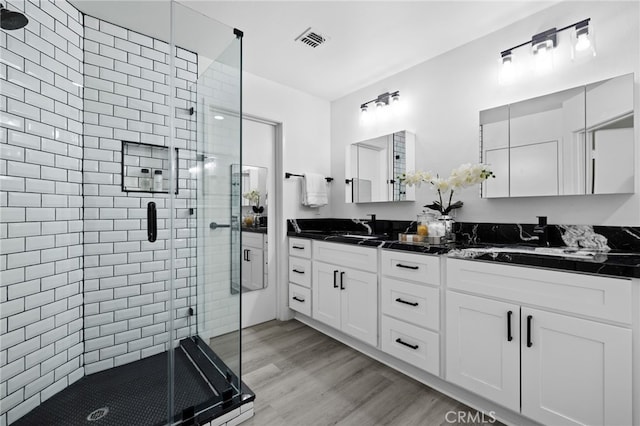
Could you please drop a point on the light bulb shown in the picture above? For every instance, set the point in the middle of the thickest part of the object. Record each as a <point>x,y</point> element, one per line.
<point>583,42</point>
<point>543,59</point>
<point>218,117</point>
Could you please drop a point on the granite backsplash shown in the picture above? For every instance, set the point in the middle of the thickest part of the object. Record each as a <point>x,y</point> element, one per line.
<point>619,238</point>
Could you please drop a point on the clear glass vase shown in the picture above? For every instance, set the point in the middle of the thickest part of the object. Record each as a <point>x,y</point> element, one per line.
<point>449,232</point>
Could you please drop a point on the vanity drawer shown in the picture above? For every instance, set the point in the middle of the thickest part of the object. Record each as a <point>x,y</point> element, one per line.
<point>300,271</point>
<point>410,266</point>
<point>590,295</point>
<point>300,247</point>
<point>351,256</point>
<point>300,299</point>
<point>414,303</point>
<point>411,344</point>
<point>252,239</point>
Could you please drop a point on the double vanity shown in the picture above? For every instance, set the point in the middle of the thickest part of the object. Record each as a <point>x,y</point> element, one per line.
<point>528,336</point>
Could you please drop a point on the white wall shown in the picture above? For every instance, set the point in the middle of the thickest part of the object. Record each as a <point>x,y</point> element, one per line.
<point>305,126</point>
<point>442,98</point>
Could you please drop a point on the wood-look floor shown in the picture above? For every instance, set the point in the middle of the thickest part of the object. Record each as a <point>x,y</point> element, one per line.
<point>302,377</point>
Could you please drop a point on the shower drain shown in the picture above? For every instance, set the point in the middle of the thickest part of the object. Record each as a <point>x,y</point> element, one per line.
<point>98,414</point>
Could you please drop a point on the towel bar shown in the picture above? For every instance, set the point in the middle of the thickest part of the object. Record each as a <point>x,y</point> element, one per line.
<point>287,175</point>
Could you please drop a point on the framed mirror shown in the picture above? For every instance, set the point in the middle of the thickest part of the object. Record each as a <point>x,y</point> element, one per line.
<point>372,168</point>
<point>572,142</point>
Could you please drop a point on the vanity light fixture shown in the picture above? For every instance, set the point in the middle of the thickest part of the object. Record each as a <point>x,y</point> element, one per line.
<point>543,43</point>
<point>381,101</point>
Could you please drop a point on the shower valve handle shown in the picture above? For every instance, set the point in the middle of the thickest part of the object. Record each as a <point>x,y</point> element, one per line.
<point>152,222</point>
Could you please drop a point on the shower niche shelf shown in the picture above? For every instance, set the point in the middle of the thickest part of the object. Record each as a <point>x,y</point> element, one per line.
<point>140,164</point>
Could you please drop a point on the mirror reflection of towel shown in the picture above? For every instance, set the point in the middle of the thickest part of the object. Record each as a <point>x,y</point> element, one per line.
<point>314,190</point>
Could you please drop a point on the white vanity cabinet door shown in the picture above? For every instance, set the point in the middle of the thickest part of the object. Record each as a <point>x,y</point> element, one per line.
<point>480,357</point>
<point>359,304</point>
<point>575,371</point>
<point>252,268</point>
<point>346,299</point>
<point>326,295</point>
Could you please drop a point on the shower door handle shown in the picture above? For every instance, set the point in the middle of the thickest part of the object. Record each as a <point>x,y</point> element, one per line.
<point>152,222</point>
<point>214,225</point>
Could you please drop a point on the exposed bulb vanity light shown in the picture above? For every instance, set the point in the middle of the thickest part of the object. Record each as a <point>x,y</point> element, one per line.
<point>507,68</point>
<point>381,101</point>
<point>543,44</point>
<point>582,40</point>
<point>582,35</point>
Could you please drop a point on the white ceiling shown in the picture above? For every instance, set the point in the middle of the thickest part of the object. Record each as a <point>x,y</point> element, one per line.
<point>368,40</point>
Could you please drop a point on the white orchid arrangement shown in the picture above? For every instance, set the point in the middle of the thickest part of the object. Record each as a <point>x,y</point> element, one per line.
<point>462,177</point>
<point>254,198</point>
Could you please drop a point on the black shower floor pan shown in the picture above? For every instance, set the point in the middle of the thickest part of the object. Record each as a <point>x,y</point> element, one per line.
<point>131,394</point>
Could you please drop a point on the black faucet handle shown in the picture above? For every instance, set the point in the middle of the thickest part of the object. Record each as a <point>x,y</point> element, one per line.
<point>542,220</point>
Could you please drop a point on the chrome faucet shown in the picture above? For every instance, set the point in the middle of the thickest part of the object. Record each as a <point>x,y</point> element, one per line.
<point>540,230</point>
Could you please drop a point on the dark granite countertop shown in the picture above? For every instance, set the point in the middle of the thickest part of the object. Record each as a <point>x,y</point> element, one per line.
<point>258,230</point>
<point>615,263</point>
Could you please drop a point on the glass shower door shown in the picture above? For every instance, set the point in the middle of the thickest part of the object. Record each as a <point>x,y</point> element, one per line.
<point>207,329</point>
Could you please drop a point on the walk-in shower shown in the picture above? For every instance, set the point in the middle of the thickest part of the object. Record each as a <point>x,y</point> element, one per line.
<point>116,288</point>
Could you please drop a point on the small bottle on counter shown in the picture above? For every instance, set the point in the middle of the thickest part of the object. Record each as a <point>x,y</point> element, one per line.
<point>145,179</point>
<point>157,180</point>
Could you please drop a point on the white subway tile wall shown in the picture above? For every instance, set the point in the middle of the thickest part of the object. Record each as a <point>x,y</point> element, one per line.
<point>63,212</point>
<point>41,207</point>
<point>126,289</point>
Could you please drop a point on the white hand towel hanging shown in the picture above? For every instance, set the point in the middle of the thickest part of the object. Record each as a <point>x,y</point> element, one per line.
<point>314,190</point>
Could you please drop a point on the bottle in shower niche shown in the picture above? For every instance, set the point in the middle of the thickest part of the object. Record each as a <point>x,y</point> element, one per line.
<point>157,180</point>
<point>145,179</point>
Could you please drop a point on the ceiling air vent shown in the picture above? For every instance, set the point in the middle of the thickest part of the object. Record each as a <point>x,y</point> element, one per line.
<point>311,38</point>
